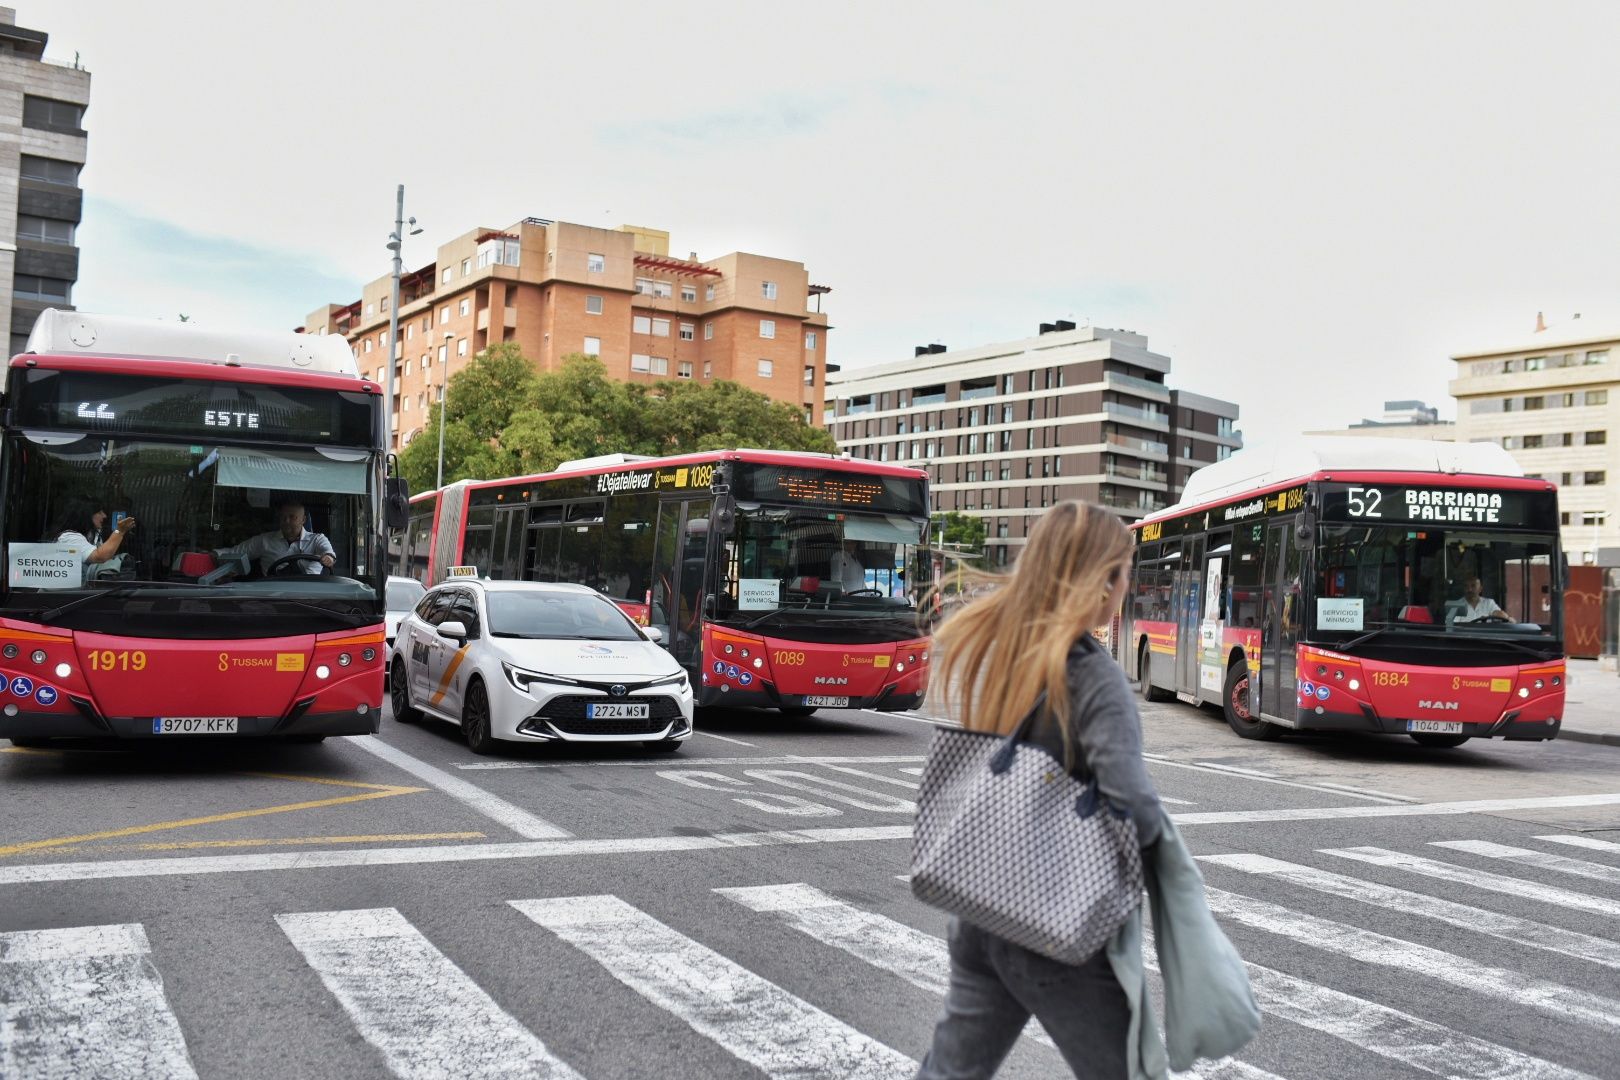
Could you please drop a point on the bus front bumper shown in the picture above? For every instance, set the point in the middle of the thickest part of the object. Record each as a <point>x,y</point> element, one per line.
<point>1511,725</point>
<point>888,699</point>
<point>87,724</point>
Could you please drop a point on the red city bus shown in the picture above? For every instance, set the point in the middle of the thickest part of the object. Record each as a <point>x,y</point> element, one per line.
<point>1356,585</point>
<point>206,439</point>
<point>781,580</point>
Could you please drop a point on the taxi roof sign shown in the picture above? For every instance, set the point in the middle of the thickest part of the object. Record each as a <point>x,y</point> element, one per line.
<point>461,571</point>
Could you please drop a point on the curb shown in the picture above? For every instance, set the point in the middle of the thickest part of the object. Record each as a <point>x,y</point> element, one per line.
<point>1605,738</point>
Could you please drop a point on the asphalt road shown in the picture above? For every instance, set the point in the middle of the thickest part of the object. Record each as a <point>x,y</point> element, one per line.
<point>397,906</point>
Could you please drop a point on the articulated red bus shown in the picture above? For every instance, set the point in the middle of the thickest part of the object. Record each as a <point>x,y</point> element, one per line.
<point>207,440</point>
<point>1356,585</point>
<point>783,580</point>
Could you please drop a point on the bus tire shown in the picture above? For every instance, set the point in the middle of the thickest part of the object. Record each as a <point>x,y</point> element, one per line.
<point>1237,706</point>
<point>1144,675</point>
<point>797,711</point>
<point>399,694</point>
<point>1439,742</point>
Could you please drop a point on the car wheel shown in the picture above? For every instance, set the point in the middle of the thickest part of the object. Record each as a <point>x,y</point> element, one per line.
<point>1238,705</point>
<point>1144,676</point>
<point>475,719</point>
<point>797,710</point>
<point>399,695</point>
<point>1439,742</point>
<point>665,746</point>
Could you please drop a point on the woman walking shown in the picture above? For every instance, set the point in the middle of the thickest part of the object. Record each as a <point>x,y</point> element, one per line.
<point>1025,648</point>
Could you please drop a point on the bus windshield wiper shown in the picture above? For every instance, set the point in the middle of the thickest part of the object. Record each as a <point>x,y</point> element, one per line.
<point>123,589</point>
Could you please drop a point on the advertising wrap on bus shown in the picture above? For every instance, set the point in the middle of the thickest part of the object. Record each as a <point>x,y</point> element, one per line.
<point>191,547</point>
<point>1384,600</point>
<point>783,580</point>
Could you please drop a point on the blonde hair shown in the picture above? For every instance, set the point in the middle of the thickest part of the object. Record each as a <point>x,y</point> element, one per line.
<point>1001,650</point>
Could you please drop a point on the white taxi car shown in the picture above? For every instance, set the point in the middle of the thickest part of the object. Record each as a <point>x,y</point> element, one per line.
<point>526,661</point>
<point>401,598</point>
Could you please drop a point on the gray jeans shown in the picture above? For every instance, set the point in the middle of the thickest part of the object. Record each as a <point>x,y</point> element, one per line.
<point>996,986</point>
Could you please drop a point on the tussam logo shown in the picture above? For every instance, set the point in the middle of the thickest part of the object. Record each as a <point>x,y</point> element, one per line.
<point>1441,706</point>
<point>831,680</point>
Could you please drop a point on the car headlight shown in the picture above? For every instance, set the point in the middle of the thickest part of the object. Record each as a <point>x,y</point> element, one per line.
<point>522,679</point>
<point>680,681</point>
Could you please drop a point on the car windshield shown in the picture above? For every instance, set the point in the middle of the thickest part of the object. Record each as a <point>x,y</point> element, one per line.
<point>208,554</point>
<point>798,558</point>
<point>1455,581</point>
<point>536,614</point>
<point>403,593</point>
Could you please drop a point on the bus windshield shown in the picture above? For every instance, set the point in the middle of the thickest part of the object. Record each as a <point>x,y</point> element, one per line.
<point>216,549</point>
<point>802,558</point>
<point>1459,581</point>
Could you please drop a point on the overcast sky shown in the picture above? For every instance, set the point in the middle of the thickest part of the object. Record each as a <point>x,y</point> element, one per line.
<point>1306,211</point>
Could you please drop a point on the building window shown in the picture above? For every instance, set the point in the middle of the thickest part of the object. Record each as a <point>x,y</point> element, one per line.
<point>810,341</point>
<point>767,289</point>
<point>1596,438</point>
<point>406,406</point>
<point>1594,517</point>
<point>466,305</point>
<point>641,324</point>
<point>1531,442</point>
<point>688,331</point>
<point>46,230</point>
<point>444,353</point>
<point>708,292</point>
<point>640,362</point>
<point>461,347</point>
<point>595,264</point>
<point>593,305</point>
<point>49,170</point>
<point>370,308</point>
<point>426,360</point>
<point>708,331</point>
<point>1598,356</point>
<point>444,314</point>
<point>1597,397</point>
<point>688,294</point>
<point>1593,479</point>
<point>708,369</point>
<point>810,380</point>
<point>644,286</point>
<point>660,365</point>
<point>466,267</point>
<point>368,344</point>
<point>444,278</point>
<point>410,331</point>
<point>661,290</point>
<point>683,369</point>
<point>767,328</point>
<point>53,115</point>
<point>1532,402</point>
<point>765,367</point>
<point>593,346</point>
<point>427,322</point>
<point>660,328</point>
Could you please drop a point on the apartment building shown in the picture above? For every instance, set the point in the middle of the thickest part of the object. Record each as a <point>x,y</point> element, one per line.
<point>556,288</point>
<point>1009,429</point>
<point>1552,399</point>
<point>42,149</point>
<point>1405,419</point>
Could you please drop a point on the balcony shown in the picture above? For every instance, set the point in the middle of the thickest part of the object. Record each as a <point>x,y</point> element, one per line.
<point>1132,385</point>
<point>1137,474</point>
<point>1130,414</point>
<point>509,320</point>
<point>1143,505</point>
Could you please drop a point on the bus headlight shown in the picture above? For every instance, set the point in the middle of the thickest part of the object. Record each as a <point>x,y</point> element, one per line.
<point>63,670</point>
<point>1355,684</point>
<point>323,672</point>
<point>759,661</point>
<point>1524,691</point>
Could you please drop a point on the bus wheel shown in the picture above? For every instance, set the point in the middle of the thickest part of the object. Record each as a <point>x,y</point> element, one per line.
<point>399,695</point>
<point>1144,676</point>
<point>1239,709</point>
<point>1440,742</point>
<point>797,710</point>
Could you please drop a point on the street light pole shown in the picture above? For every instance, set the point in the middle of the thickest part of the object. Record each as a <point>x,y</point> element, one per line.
<point>396,244</point>
<point>444,401</point>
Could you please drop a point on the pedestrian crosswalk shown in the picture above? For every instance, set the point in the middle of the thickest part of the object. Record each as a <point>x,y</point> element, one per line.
<point>92,1001</point>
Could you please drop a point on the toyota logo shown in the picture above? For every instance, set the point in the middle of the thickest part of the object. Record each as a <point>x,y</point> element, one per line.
<point>617,690</point>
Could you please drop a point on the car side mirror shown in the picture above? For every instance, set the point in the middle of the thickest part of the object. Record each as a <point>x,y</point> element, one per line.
<point>396,503</point>
<point>454,630</point>
<point>653,633</point>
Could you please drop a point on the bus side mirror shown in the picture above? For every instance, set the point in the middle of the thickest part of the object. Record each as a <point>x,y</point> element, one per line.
<point>723,520</point>
<point>396,503</point>
<point>1304,534</point>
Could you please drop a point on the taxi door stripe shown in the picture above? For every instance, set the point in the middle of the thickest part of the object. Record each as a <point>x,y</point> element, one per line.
<point>87,1001</point>
<point>755,1020</point>
<point>449,673</point>
<point>383,970</point>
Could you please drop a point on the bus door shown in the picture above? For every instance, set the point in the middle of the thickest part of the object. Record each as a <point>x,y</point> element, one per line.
<point>1284,608</point>
<point>1270,621</point>
<point>1189,606</point>
<point>506,555</point>
<point>680,553</point>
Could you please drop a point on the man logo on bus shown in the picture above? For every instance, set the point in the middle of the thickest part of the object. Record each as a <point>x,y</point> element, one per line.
<point>1441,706</point>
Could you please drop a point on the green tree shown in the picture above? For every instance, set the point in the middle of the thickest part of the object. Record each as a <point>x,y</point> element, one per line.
<point>724,415</point>
<point>962,531</point>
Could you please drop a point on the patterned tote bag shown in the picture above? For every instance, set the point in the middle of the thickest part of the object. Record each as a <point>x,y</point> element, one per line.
<point>1009,841</point>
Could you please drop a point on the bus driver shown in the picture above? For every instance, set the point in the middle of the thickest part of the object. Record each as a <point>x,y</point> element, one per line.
<point>291,538</point>
<point>1474,607</point>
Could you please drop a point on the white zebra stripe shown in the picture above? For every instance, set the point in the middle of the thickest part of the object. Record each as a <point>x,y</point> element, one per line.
<point>423,1013</point>
<point>86,1002</point>
<point>1386,1032</point>
<point>1546,895</point>
<point>1541,860</point>
<point>1367,947</point>
<point>1591,843</point>
<point>920,959</point>
<point>752,1018</point>
<point>1506,927</point>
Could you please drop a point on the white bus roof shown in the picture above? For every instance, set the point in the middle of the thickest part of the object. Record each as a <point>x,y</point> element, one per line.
<point>77,333</point>
<point>1262,467</point>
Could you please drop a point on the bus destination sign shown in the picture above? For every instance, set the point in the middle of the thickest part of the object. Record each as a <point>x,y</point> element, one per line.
<point>831,488</point>
<point>1418,505</point>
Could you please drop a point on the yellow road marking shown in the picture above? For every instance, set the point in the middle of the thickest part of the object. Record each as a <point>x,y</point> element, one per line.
<point>27,750</point>
<point>326,780</point>
<point>211,819</point>
<point>287,841</point>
